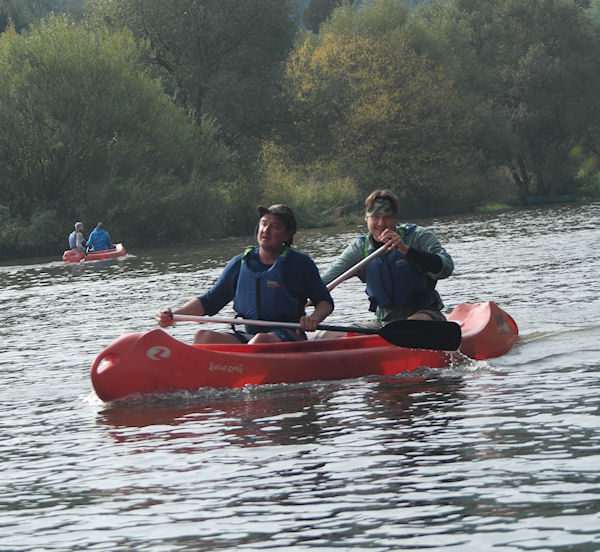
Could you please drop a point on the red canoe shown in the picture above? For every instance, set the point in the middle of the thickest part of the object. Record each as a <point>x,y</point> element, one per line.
<point>487,331</point>
<point>75,256</point>
<point>153,361</point>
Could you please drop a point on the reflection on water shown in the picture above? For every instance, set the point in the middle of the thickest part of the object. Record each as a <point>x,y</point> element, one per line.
<point>498,454</point>
<point>278,414</point>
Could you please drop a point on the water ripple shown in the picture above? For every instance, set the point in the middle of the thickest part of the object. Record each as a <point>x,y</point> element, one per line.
<point>490,455</point>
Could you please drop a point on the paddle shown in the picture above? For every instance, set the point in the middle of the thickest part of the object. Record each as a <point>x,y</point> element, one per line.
<point>415,334</point>
<point>353,270</point>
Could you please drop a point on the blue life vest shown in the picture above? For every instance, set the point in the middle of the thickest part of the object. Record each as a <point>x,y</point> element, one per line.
<point>392,281</point>
<point>263,295</point>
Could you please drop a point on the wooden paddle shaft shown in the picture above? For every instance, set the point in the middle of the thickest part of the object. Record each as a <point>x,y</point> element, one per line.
<point>354,269</point>
<point>217,320</point>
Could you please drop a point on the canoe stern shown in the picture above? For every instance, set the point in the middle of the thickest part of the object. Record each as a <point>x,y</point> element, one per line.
<point>487,330</point>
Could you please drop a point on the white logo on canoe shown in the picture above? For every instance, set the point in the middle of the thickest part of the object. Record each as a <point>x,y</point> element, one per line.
<point>158,353</point>
<point>225,368</point>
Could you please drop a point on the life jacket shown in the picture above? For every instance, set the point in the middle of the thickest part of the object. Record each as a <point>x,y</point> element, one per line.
<point>392,280</point>
<point>263,295</point>
<point>73,239</point>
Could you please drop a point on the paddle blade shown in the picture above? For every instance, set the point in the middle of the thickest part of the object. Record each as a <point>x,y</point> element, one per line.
<point>423,334</point>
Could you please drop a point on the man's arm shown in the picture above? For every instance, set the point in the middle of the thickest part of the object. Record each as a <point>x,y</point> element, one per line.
<point>322,310</point>
<point>426,252</point>
<point>223,289</point>
<point>211,302</point>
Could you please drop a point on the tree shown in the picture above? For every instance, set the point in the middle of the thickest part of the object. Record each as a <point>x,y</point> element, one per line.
<point>368,105</point>
<point>86,133</point>
<point>24,12</point>
<point>317,12</point>
<point>535,65</point>
<point>593,12</point>
<point>223,58</point>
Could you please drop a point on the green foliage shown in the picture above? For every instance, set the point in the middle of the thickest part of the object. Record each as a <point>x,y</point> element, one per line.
<point>593,12</point>
<point>21,237</point>
<point>317,12</point>
<point>531,64</point>
<point>223,58</point>
<point>589,189</point>
<point>318,199</point>
<point>24,12</point>
<point>587,181</point>
<point>447,102</point>
<point>319,203</point>
<point>368,107</point>
<point>86,131</point>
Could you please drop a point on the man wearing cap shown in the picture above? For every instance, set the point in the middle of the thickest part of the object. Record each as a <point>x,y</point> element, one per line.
<point>270,281</point>
<point>77,239</point>
<point>401,282</point>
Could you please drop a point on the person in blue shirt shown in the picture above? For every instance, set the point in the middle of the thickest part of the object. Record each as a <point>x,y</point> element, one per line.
<point>269,282</point>
<point>77,239</point>
<point>99,239</point>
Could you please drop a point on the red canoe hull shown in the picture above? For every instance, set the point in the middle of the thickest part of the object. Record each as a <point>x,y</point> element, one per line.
<point>76,256</point>
<point>153,361</point>
<point>487,331</point>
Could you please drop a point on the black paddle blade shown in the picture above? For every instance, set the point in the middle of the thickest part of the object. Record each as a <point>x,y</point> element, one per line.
<point>414,334</point>
<point>423,334</point>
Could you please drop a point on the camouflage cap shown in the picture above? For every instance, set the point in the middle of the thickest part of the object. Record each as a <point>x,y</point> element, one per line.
<point>381,206</point>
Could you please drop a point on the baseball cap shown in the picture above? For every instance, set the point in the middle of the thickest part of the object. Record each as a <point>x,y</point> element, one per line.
<point>283,212</point>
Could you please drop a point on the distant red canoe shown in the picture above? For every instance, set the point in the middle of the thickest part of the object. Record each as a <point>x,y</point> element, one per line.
<point>153,361</point>
<point>76,256</point>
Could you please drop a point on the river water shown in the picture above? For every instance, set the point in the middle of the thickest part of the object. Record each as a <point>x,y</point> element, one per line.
<point>499,455</point>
